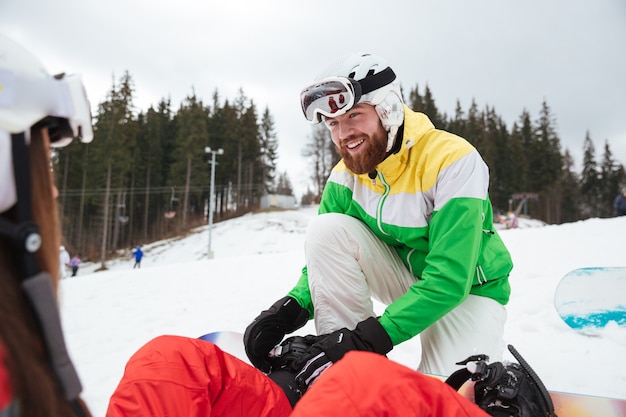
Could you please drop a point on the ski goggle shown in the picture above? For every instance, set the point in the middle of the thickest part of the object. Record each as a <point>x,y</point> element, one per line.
<point>78,111</point>
<point>60,101</point>
<point>330,97</point>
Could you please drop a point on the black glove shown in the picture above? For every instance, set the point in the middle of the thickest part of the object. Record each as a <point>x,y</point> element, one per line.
<point>269,328</point>
<point>368,335</point>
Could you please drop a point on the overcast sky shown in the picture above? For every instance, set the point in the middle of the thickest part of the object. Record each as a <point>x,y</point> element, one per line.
<point>511,55</point>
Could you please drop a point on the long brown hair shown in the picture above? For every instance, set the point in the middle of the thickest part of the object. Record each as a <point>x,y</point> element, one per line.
<point>33,382</point>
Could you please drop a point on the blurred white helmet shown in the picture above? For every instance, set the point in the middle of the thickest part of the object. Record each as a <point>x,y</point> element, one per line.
<point>379,87</point>
<point>30,96</point>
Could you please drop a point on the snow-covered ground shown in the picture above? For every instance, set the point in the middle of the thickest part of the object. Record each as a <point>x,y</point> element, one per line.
<point>257,259</point>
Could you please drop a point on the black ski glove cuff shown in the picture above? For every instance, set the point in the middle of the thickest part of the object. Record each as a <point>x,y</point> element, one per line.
<point>368,335</point>
<point>269,329</point>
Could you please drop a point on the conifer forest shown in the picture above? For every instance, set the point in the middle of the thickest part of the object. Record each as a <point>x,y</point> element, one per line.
<point>145,176</point>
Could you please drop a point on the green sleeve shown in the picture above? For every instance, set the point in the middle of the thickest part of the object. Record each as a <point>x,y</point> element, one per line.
<point>334,199</point>
<point>302,293</point>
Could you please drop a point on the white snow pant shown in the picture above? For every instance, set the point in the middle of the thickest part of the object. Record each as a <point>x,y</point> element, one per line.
<point>348,266</point>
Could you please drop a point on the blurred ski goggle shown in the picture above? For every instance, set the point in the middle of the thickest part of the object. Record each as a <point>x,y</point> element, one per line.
<point>330,97</point>
<point>75,111</point>
<point>58,102</point>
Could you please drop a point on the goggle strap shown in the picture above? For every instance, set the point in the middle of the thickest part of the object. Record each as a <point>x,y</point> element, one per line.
<point>357,90</point>
<point>376,81</point>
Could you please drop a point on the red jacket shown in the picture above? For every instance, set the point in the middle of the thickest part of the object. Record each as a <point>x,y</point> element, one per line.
<point>177,376</point>
<point>365,384</point>
<point>6,396</point>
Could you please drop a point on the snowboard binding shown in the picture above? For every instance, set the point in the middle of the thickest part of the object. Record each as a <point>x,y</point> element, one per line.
<point>505,390</point>
<point>289,351</point>
<point>282,359</point>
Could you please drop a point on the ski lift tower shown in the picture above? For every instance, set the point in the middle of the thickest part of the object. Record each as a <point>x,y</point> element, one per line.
<point>219,151</point>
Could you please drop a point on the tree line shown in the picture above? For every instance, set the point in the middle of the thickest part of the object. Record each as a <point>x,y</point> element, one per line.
<point>145,176</point>
<point>529,172</point>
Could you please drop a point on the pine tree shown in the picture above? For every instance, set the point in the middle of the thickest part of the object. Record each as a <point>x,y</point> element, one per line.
<point>415,100</point>
<point>589,185</point>
<point>269,150</point>
<point>308,197</point>
<point>458,122</point>
<point>283,184</point>
<point>109,163</point>
<point>547,164</point>
<point>430,109</point>
<point>475,127</point>
<point>223,133</point>
<point>495,151</point>
<point>570,191</point>
<point>426,104</point>
<point>154,141</point>
<point>189,169</point>
<point>252,162</point>
<point>519,164</point>
<point>609,182</point>
<point>529,180</point>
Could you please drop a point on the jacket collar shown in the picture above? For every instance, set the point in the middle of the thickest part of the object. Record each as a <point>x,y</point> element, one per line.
<point>416,125</point>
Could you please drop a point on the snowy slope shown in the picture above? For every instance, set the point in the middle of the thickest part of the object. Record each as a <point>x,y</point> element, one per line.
<point>258,257</point>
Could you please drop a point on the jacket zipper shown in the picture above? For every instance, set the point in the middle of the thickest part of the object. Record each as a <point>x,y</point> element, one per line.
<point>381,203</point>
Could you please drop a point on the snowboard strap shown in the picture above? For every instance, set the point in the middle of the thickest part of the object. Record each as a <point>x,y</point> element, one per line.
<point>515,388</point>
<point>534,377</point>
<point>461,376</point>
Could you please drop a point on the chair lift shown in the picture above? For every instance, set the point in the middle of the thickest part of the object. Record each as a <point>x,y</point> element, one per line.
<point>171,212</point>
<point>123,218</point>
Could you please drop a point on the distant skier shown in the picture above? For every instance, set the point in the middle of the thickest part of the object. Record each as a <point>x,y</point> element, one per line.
<point>64,261</point>
<point>138,254</point>
<point>75,263</point>
<point>512,221</point>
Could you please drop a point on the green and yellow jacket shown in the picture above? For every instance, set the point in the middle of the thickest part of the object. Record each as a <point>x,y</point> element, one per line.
<point>430,202</point>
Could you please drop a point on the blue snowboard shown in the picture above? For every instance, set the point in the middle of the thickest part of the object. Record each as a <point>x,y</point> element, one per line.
<point>588,299</point>
<point>228,341</point>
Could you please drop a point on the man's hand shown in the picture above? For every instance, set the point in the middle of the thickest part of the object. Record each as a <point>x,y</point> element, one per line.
<point>269,328</point>
<point>368,335</point>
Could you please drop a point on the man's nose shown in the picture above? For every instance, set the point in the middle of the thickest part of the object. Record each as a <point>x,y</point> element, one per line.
<point>344,131</point>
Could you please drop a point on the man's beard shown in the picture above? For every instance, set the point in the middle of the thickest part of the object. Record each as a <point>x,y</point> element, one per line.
<point>367,160</point>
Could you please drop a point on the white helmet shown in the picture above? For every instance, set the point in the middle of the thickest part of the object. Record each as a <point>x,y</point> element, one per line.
<point>30,96</point>
<point>379,85</point>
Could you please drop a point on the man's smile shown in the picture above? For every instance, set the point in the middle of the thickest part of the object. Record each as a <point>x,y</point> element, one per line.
<point>354,144</point>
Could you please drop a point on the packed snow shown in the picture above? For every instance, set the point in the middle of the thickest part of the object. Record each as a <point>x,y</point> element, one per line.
<point>258,257</point>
